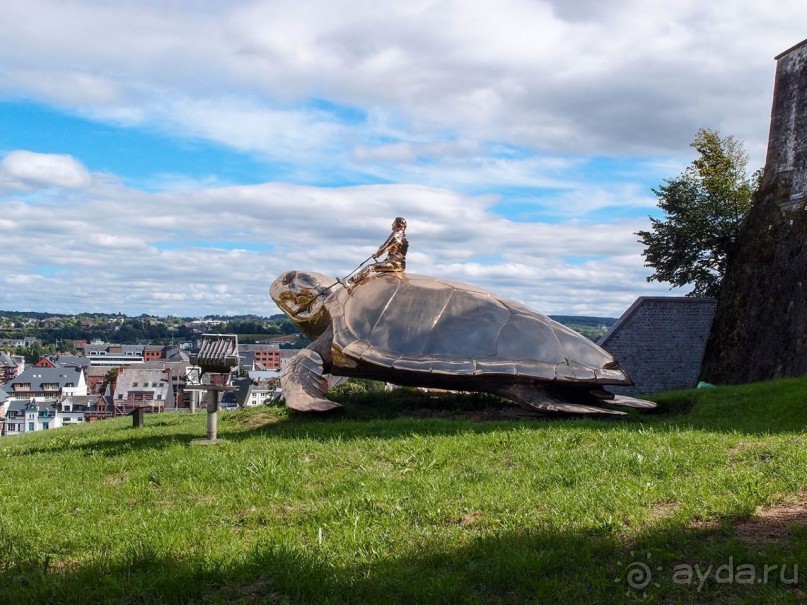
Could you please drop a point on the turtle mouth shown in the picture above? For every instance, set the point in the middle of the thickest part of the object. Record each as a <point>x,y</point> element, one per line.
<point>298,305</point>
<point>312,319</point>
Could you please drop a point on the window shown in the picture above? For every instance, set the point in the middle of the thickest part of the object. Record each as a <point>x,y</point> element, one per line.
<point>30,426</point>
<point>134,384</point>
<point>45,426</point>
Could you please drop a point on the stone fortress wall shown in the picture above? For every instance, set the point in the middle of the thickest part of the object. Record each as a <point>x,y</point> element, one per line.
<point>659,341</point>
<point>760,329</point>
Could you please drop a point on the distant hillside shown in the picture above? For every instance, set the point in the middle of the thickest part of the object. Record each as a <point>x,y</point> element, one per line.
<point>590,327</point>
<point>585,320</point>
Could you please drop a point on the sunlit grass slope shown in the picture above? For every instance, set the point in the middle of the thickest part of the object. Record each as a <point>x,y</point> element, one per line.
<point>389,503</point>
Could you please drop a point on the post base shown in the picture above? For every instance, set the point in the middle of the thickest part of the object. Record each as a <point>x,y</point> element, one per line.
<point>207,441</point>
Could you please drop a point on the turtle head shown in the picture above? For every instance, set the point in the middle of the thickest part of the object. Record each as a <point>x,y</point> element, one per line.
<point>301,296</point>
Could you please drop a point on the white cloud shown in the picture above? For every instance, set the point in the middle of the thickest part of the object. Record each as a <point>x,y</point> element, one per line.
<point>638,77</point>
<point>25,168</point>
<point>217,249</point>
<point>507,100</point>
<point>67,87</point>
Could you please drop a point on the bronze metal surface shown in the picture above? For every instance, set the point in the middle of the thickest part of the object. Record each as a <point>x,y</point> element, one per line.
<point>421,330</point>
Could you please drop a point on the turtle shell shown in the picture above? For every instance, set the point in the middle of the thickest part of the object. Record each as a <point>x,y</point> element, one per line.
<point>418,323</point>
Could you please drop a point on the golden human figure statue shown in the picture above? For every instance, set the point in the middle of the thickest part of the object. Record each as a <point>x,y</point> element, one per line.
<point>395,246</point>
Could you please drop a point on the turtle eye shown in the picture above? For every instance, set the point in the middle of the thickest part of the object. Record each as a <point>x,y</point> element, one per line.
<point>289,277</point>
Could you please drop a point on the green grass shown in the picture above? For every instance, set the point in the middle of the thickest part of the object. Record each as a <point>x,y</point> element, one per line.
<point>388,503</point>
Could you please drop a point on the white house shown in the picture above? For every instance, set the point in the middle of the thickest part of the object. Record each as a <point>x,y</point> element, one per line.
<point>28,417</point>
<point>260,391</point>
<point>71,408</point>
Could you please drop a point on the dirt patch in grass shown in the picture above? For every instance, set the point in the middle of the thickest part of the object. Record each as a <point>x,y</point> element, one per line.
<point>254,420</point>
<point>705,524</point>
<point>470,518</point>
<point>663,510</point>
<point>773,524</point>
<point>742,446</point>
<point>116,478</point>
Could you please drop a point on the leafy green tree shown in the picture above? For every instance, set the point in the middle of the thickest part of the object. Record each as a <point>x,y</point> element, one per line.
<point>703,209</point>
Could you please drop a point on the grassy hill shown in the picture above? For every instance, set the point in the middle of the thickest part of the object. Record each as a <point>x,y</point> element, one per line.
<point>395,503</point>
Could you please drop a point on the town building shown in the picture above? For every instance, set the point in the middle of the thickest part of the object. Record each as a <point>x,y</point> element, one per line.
<point>153,352</point>
<point>266,355</point>
<point>72,409</point>
<point>149,388</point>
<point>96,376</point>
<point>4,401</point>
<point>13,343</point>
<point>46,384</point>
<point>30,416</point>
<point>10,366</point>
<point>114,355</point>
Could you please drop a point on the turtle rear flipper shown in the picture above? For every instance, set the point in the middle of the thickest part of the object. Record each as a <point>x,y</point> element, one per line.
<point>304,387</point>
<point>632,402</point>
<point>536,398</point>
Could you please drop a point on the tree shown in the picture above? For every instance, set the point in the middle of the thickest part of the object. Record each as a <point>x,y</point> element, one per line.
<point>703,210</point>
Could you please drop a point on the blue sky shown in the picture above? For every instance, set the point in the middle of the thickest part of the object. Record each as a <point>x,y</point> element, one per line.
<point>138,155</point>
<point>176,158</point>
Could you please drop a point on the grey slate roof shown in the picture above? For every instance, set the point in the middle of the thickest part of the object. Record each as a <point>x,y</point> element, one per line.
<point>21,406</point>
<point>246,359</point>
<point>16,406</point>
<point>96,371</point>
<point>258,347</point>
<point>37,377</point>
<point>125,349</point>
<point>177,355</point>
<point>71,361</point>
<point>89,402</point>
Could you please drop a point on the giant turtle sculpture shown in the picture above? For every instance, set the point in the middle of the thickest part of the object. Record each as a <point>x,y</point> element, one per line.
<point>416,330</point>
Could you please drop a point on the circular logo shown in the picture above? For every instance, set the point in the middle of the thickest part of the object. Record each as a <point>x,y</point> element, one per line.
<point>637,574</point>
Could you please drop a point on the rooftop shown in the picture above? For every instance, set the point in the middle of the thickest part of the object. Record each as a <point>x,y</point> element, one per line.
<point>37,377</point>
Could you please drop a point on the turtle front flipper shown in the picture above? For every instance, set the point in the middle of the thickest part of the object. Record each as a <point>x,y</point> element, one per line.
<point>304,387</point>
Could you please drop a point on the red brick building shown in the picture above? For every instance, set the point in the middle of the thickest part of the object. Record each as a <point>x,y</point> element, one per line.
<point>267,355</point>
